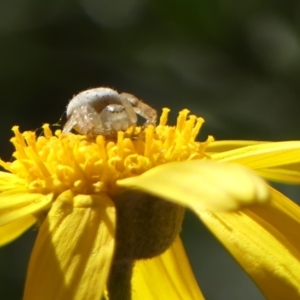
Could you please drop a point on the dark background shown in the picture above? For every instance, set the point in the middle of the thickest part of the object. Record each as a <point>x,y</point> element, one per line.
<point>236,63</point>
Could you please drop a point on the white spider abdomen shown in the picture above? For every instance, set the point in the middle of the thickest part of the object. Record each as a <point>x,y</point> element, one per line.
<point>97,98</point>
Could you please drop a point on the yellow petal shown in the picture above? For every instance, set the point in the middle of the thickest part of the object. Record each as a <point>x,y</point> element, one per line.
<point>10,181</point>
<point>15,204</point>
<point>266,242</point>
<point>12,230</point>
<point>203,184</point>
<point>168,276</point>
<point>280,175</point>
<point>221,146</point>
<point>74,249</point>
<point>290,210</point>
<point>264,155</point>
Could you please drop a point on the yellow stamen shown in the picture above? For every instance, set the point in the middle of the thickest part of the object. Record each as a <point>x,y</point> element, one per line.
<point>68,161</point>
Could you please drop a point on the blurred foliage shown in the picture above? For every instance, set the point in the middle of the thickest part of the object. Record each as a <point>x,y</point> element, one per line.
<point>236,63</point>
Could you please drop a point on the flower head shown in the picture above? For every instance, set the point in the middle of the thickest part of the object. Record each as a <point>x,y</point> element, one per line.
<point>55,163</point>
<point>103,204</point>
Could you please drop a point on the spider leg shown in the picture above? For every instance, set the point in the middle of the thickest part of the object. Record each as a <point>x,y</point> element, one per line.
<point>71,122</point>
<point>127,104</point>
<point>142,109</point>
<point>85,120</point>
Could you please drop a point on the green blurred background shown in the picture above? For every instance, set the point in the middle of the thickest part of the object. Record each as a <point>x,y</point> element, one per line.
<point>236,63</point>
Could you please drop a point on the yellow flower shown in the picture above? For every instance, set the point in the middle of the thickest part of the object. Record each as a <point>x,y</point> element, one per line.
<point>104,205</point>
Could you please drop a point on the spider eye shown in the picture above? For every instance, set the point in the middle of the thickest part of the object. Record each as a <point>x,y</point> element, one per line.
<point>114,108</point>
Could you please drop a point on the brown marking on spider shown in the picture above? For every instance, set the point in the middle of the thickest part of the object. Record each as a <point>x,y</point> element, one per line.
<point>104,111</point>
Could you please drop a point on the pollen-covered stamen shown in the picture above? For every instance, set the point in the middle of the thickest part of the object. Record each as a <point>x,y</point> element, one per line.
<point>181,119</point>
<point>18,142</point>
<point>149,141</point>
<point>67,161</point>
<point>164,117</point>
